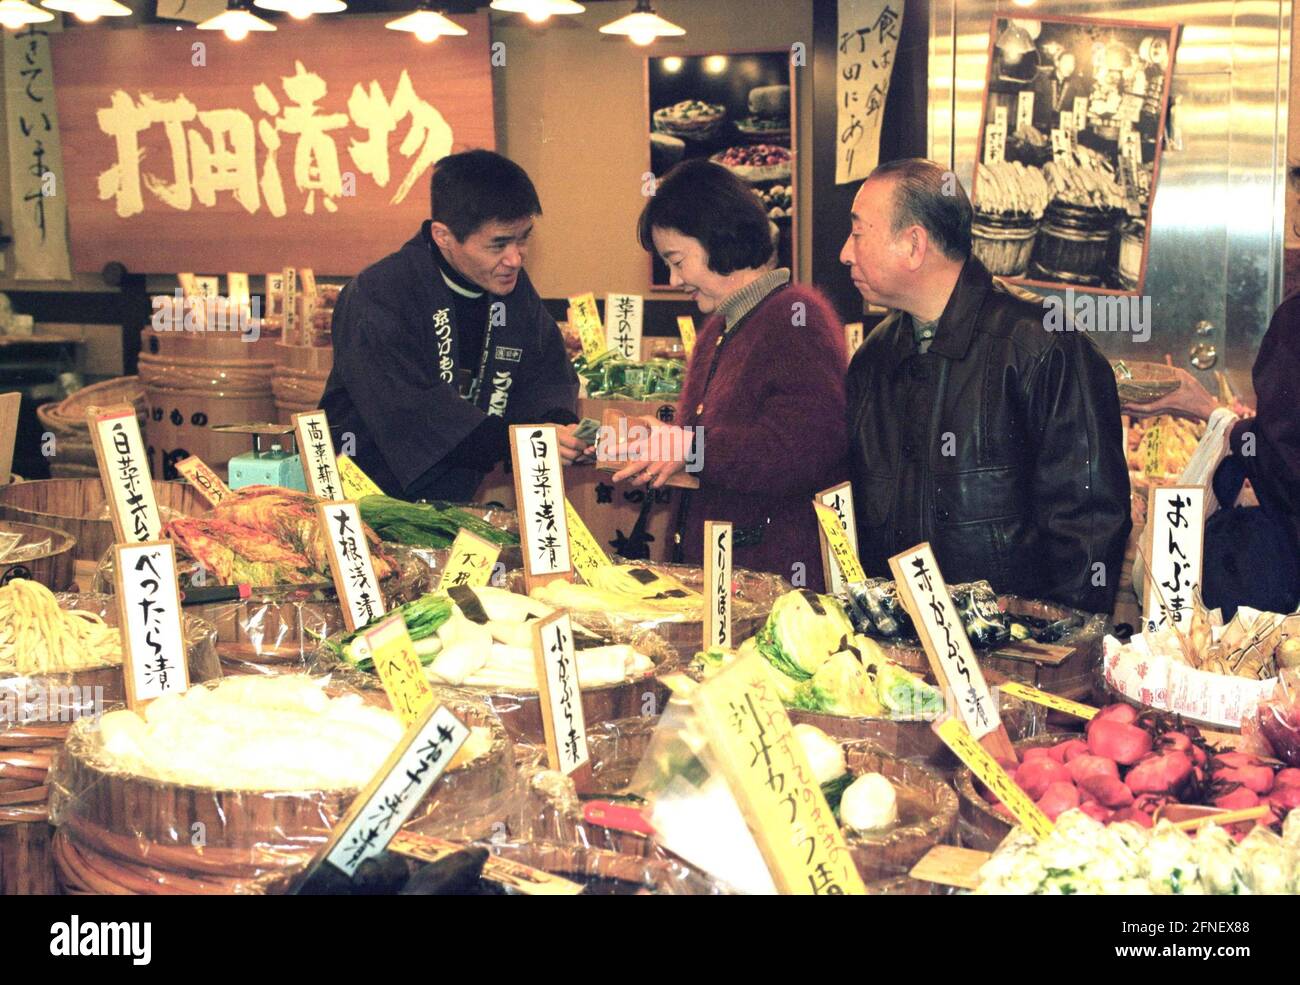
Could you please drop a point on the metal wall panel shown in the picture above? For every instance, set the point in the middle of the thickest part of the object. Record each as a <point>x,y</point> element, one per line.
<point>1217,227</point>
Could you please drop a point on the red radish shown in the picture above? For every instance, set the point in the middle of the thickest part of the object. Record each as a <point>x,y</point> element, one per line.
<point>1037,753</point>
<point>1176,741</point>
<point>1036,775</point>
<point>1085,766</point>
<point>1097,812</point>
<point>1289,777</point>
<point>1256,778</point>
<point>1057,751</point>
<point>1086,798</point>
<point>1159,774</point>
<point>1119,711</point>
<point>1059,798</point>
<point>1073,749</point>
<point>1109,790</point>
<point>1237,800</point>
<point>1133,816</point>
<point>1125,744</point>
<point>1234,760</point>
<point>1285,798</point>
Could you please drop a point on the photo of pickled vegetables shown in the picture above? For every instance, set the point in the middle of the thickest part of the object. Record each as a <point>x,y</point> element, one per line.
<point>1161,447</point>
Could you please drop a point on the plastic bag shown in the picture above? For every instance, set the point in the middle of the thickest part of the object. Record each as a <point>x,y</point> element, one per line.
<point>1274,728</point>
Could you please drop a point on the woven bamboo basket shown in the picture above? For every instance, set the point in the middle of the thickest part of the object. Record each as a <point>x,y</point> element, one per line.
<point>53,567</point>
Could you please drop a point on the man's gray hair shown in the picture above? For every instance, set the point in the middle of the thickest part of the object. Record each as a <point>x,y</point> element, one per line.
<point>928,196</point>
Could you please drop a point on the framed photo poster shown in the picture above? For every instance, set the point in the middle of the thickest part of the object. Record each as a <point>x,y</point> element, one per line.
<point>1069,150</point>
<point>736,109</point>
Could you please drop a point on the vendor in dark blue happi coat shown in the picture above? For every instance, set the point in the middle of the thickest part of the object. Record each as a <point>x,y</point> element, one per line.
<point>442,345</point>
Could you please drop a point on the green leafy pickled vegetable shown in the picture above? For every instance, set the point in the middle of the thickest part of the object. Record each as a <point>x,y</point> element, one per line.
<point>423,618</point>
<point>427,524</point>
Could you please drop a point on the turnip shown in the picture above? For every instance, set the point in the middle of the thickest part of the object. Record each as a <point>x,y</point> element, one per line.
<point>1059,798</point>
<point>1088,765</point>
<point>1257,778</point>
<point>1110,791</point>
<point>1073,749</point>
<point>1289,777</point>
<point>1237,799</point>
<point>1036,775</point>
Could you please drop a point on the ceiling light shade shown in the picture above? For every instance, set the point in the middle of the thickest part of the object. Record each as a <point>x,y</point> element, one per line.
<point>538,11</point>
<point>236,22</point>
<point>427,25</point>
<point>88,10</point>
<point>643,25</point>
<point>15,14</point>
<point>302,9</point>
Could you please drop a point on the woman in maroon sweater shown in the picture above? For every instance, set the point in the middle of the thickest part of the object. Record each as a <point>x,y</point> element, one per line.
<point>764,389</point>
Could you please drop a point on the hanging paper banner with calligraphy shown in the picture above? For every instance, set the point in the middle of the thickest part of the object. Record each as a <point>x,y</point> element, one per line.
<point>36,175</point>
<point>868,40</point>
<point>314,142</point>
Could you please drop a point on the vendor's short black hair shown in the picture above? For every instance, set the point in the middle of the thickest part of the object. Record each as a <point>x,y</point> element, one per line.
<point>928,196</point>
<point>707,202</point>
<point>478,186</point>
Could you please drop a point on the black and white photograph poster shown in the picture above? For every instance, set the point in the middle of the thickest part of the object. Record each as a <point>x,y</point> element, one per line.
<point>1069,150</point>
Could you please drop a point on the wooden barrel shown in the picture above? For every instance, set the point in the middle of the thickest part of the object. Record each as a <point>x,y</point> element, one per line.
<point>53,566</point>
<point>127,834</point>
<point>300,375</point>
<point>196,381</point>
<point>26,860</point>
<point>75,506</point>
<point>1072,244</point>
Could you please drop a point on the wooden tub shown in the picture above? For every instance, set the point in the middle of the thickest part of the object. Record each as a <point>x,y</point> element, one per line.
<point>53,567</point>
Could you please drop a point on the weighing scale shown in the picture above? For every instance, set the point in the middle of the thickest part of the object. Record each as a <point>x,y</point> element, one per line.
<point>274,467</point>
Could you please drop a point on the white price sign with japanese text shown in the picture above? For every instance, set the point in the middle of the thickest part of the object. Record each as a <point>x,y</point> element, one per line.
<point>1176,520</point>
<point>539,493</point>
<point>124,470</point>
<point>623,320</point>
<point>557,680</point>
<point>922,589</point>
<point>350,563</point>
<point>149,609</point>
<point>717,584</point>
<point>382,808</point>
<point>316,449</point>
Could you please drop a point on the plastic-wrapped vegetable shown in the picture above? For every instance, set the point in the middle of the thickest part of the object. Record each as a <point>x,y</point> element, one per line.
<point>984,622</point>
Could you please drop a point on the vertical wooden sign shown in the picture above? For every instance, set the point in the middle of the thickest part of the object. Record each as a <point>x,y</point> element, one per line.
<point>149,610</point>
<point>1176,522</point>
<point>316,448</point>
<point>717,584</point>
<point>124,470</point>
<point>350,563</point>
<point>539,493</point>
<point>561,699</point>
<point>840,500</point>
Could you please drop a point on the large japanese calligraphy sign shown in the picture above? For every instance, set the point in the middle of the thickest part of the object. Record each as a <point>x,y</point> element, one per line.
<point>389,647</point>
<point>149,610</point>
<point>585,316</point>
<point>957,737</point>
<point>561,698</point>
<point>752,742</point>
<point>588,555</point>
<point>316,449</point>
<point>315,143</point>
<point>839,500</point>
<point>717,583</point>
<point>38,204</point>
<point>1176,519</point>
<point>205,482</point>
<point>868,33</point>
<point>539,494</point>
<point>124,471</point>
<point>380,810</point>
<point>623,320</point>
<point>922,589</point>
<point>470,562</point>
<point>350,564</point>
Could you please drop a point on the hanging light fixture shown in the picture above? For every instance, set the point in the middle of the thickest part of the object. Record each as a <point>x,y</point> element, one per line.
<point>300,10</point>
<point>15,14</point>
<point>538,11</point>
<point>643,25</point>
<point>236,21</point>
<point>427,24</point>
<point>88,11</point>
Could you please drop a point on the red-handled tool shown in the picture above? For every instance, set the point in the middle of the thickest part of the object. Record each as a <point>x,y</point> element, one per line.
<point>616,816</point>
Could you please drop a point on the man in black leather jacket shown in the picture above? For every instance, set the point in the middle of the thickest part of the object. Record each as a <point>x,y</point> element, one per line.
<point>971,425</point>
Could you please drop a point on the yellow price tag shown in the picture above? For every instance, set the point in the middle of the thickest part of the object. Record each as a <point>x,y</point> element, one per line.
<point>389,645</point>
<point>205,482</point>
<point>471,562</point>
<point>1152,443</point>
<point>752,742</point>
<point>839,544</point>
<point>1026,693</point>
<point>957,737</point>
<point>583,547</point>
<point>356,483</point>
<point>584,314</point>
<point>686,328</point>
